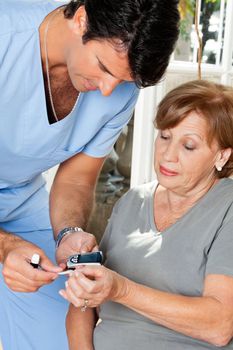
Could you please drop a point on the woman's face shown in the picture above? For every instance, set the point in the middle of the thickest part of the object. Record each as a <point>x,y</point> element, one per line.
<point>184,162</point>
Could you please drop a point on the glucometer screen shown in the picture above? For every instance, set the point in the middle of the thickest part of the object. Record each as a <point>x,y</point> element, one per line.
<point>87,258</point>
<point>90,257</point>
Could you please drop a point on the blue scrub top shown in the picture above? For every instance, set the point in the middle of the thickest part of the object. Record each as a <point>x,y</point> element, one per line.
<point>29,145</point>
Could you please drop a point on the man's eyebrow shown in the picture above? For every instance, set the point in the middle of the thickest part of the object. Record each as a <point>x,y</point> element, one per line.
<point>104,68</point>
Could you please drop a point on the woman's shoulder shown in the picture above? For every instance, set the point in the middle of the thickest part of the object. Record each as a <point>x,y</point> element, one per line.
<point>218,202</point>
<point>137,195</point>
<point>224,189</point>
<point>142,190</point>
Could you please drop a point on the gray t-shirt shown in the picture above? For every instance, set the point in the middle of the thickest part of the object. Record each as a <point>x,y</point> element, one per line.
<point>176,260</point>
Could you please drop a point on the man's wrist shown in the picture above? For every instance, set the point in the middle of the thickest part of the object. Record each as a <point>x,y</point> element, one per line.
<point>64,232</point>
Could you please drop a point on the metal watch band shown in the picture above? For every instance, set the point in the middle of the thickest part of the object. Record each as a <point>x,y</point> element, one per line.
<point>64,232</point>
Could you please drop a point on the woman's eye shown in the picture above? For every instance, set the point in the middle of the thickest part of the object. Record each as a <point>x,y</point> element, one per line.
<point>164,137</point>
<point>189,147</point>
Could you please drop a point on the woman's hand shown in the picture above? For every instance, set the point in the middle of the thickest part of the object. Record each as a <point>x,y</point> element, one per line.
<point>93,285</point>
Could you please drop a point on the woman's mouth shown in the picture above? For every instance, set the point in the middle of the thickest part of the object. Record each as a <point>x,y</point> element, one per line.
<point>167,172</point>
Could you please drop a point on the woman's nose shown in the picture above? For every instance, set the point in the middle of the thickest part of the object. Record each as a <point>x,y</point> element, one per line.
<point>170,153</point>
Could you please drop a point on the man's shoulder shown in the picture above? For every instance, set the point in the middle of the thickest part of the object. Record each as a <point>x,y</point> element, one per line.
<point>124,94</point>
<point>17,16</point>
<point>128,88</point>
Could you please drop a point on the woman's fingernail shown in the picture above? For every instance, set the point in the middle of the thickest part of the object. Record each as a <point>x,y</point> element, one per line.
<point>66,284</point>
<point>62,294</point>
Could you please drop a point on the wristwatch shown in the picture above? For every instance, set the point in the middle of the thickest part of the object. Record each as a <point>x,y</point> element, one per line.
<point>65,232</point>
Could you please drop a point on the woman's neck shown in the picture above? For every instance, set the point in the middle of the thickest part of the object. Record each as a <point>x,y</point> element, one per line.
<point>179,201</point>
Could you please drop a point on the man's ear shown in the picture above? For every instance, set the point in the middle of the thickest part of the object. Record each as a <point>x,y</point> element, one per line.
<point>79,21</point>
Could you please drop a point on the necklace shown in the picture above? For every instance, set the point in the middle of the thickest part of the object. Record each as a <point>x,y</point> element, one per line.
<point>47,68</point>
<point>47,63</point>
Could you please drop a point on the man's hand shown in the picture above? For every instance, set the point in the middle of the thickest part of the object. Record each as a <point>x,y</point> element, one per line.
<point>18,274</point>
<point>75,242</point>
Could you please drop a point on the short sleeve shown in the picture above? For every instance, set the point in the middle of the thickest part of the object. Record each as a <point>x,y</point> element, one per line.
<point>220,255</point>
<point>101,144</point>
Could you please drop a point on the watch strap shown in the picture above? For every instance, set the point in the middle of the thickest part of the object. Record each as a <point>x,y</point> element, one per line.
<point>65,231</point>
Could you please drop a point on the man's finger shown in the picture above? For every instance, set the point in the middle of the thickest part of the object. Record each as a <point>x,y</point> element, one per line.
<point>31,282</point>
<point>87,247</point>
<point>48,266</point>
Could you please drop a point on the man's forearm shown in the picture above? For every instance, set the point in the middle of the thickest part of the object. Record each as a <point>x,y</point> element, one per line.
<point>70,205</point>
<point>6,240</point>
<point>72,192</point>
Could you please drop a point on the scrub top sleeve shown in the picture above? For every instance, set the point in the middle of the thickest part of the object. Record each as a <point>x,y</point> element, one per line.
<point>101,144</point>
<point>220,255</point>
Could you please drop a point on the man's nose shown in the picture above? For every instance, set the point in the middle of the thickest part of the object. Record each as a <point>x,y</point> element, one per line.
<point>108,84</point>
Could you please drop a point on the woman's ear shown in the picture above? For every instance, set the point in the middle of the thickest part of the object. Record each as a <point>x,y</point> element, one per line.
<point>223,158</point>
<point>79,21</point>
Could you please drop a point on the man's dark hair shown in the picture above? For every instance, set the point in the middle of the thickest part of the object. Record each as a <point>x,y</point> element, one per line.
<point>147,29</point>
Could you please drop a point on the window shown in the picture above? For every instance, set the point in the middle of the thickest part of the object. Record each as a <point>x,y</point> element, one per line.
<point>212,14</point>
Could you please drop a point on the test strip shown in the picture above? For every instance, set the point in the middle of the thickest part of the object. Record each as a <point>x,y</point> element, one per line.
<point>68,272</point>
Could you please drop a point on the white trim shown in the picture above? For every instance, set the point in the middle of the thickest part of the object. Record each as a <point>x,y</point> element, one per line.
<point>143,135</point>
<point>189,67</point>
<point>227,44</point>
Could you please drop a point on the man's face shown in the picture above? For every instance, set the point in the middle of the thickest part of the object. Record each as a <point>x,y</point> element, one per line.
<point>97,65</point>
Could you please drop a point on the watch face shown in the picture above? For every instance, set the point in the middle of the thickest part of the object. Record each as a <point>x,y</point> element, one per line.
<point>85,259</point>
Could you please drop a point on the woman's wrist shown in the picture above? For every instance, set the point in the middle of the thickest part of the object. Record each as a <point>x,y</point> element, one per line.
<point>120,287</point>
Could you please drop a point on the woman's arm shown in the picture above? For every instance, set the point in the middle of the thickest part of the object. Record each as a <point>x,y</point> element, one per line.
<point>209,317</point>
<point>79,327</point>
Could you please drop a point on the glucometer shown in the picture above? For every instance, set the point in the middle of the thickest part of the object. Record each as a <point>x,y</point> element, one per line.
<point>93,258</point>
<point>84,259</point>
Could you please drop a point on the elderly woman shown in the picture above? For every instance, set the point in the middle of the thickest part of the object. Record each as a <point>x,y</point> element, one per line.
<point>167,282</point>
